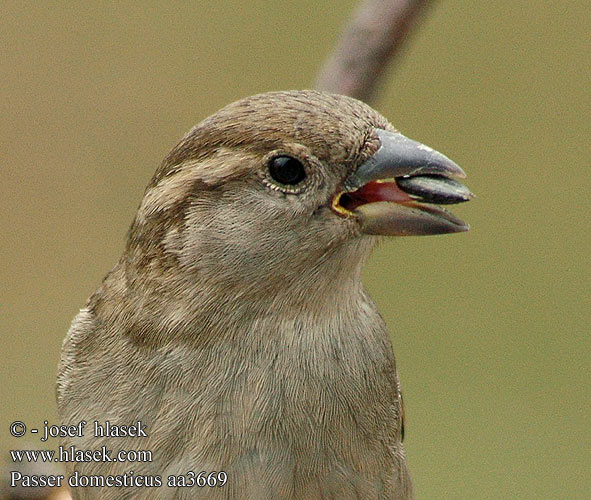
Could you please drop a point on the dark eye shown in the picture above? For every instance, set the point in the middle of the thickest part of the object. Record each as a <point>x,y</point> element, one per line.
<point>287,170</point>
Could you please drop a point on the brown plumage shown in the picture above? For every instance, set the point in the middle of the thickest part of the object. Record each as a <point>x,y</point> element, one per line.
<point>235,325</point>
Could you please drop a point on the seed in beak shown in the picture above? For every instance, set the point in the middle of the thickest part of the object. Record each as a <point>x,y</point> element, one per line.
<point>434,189</point>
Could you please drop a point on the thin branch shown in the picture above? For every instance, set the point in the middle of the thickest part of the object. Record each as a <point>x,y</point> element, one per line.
<point>375,34</point>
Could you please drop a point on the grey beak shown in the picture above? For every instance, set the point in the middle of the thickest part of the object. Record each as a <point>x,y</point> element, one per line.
<point>408,204</point>
<point>400,156</point>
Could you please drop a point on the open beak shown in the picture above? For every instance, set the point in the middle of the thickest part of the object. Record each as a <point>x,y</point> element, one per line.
<point>396,191</point>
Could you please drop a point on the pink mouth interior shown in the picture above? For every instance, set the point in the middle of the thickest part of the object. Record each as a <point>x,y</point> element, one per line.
<point>372,192</point>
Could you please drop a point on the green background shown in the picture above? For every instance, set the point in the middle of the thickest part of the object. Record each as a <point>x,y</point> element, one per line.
<point>490,328</point>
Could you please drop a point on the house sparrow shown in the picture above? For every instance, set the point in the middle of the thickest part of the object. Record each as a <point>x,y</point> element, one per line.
<point>235,327</point>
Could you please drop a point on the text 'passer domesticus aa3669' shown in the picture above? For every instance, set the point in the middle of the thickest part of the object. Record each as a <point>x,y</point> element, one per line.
<point>235,327</point>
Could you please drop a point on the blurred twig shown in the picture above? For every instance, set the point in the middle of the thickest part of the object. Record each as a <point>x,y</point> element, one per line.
<point>374,35</point>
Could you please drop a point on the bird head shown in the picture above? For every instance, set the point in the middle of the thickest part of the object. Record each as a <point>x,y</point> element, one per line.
<point>290,186</point>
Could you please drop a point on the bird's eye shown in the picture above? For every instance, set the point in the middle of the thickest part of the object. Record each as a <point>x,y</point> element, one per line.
<point>286,170</point>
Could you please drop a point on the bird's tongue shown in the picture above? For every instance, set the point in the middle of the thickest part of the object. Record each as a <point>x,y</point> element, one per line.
<point>372,192</point>
<point>422,188</point>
